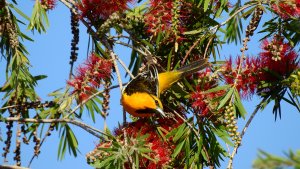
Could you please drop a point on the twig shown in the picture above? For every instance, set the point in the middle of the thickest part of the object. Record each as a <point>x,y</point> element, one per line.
<point>43,140</point>
<point>194,130</point>
<point>214,29</point>
<point>114,58</point>
<point>112,87</point>
<point>82,103</point>
<point>11,167</point>
<point>71,1</point>
<point>208,158</point>
<point>204,148</point>
<point>243,132</point>
<point>82,125</point>
<point>232,16</point>
<point>7,107</point>
<point>91,97</point>
<point>206,48</point>
<point>190,50</point>
<point>132,47</point>
<point>125,67</point>
<point>118,36</point>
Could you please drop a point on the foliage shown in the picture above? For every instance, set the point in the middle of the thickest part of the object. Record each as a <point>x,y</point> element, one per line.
<point>266,160</point>
<point>202,109</point>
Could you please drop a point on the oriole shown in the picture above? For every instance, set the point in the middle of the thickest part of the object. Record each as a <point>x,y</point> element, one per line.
<point>140,97</point>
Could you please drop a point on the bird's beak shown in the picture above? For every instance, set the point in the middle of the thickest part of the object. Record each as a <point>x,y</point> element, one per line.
<point>160,111</point>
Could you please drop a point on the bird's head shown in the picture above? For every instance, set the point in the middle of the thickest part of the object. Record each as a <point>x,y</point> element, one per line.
<point>158,106</point>
<point>142,104</point>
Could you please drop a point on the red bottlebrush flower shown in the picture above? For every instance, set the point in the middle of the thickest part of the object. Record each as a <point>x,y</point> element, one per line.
<point>90,75</point>
<point>279,58</point>
<point>167,16</point>
<point>247,79</point>
<point>48,4</point>
<point>101,9</point>
<point>287,8</point>
<point>276,62</point>
<point>201,101</point>
<point>161,150</point>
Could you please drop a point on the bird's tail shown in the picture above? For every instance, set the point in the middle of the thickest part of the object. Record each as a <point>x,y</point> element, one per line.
<point>193,67</point>
<point>166,79</point>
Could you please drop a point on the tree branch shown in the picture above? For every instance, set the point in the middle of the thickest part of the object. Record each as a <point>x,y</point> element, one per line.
<point>124,66</point>
<point>82,125</point>
<point>132,47</point>
<point>11,167</point>
<point>243,132</point>
<point>214,30</point>
<point>232,16</point>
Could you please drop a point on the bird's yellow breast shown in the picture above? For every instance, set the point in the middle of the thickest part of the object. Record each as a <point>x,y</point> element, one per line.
<point>138,101</point>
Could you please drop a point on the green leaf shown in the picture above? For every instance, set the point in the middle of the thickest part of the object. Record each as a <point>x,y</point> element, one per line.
<point>89,106</point>
<point>159,38</point>
<point>72,141</point>
<point>239,105</point>
<point>249,12</point>
<point>61,146</point>
<point>178,149</point>
<point>216,89</point>
<point>149,45</point>
<point>206,4</point>
<point>40,77</point>
<point>226,98</point>
<point>222,133</point>
<point>133,58</point>
<point>169,60</point>
<point>19,12</point>
<point>179,132</point>
<point>38,18</point>
<point>65,104</point>
<point>45,18</point>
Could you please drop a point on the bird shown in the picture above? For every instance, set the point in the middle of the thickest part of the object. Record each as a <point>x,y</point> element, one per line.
<point>141,96</point>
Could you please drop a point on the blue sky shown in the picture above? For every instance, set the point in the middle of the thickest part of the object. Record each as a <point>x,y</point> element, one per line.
<point>49,55</point>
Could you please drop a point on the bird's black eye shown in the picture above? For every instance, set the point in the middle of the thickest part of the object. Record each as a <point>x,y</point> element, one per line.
<point>156,102</point>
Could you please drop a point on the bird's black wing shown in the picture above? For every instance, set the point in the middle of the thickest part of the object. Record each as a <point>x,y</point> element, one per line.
<point>146,81</point>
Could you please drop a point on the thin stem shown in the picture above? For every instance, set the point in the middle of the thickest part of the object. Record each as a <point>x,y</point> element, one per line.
<point>190,50</point>
<point>294,100</point>
<point>206,48</point>
<point>43,140</point>
<point>208,158</point>
<point>113,56</point>
<point>82,125</point>
<point>193,128</point>
<point>200,123</point>
<point>7,107</point>
<point>243,132</point>
<point>91,97</point>
<point>132,47</point>
<point>214,29</point>
<point>125,67</point>
<point>120,36</point>
<point>232,16</point>
<point>82,103</point>
<point>11,167</point>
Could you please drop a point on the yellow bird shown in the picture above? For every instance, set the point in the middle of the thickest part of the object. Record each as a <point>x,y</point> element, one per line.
<point>140,97</point>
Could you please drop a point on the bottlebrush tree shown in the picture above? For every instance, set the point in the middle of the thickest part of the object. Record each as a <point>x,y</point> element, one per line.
<point>202,109</point>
